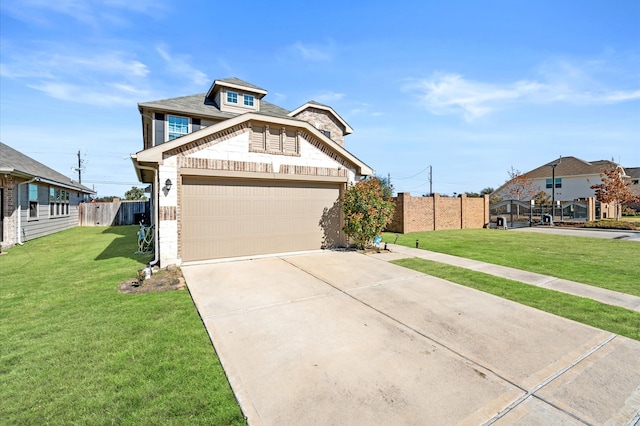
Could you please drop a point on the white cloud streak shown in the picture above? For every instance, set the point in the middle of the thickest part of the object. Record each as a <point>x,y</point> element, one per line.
<point>450,93</point>
<point>107,78</point>
<point>312,53</point>
<point>179,64</point>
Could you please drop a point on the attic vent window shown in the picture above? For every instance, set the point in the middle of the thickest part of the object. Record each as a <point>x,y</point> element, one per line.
<point>232,97</point>
<point>248,100</point>
<point>326,133</point>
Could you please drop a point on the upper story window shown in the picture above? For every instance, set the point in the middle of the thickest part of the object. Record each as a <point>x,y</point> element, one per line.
<point>232,97</point>
<point>558,183</point>
<point>248,100</point>
<point>178,126</point>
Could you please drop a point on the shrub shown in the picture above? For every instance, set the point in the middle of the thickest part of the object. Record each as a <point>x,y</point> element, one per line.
<point>366,211</point>
<point>610,224</point>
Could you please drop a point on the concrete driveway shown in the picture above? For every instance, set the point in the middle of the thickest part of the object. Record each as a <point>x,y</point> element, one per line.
<point>341,338</point>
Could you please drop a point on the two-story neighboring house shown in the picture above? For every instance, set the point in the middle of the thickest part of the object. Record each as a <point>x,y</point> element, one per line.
<point>569,177</point>
<point>35,200</point>
<point>234,175</point>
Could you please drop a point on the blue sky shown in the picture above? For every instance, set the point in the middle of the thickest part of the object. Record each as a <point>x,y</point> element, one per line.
<point>471,88</point>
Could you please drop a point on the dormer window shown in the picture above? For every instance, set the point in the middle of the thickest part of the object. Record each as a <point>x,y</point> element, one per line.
<point>232,97</point>
<point>248,100</point>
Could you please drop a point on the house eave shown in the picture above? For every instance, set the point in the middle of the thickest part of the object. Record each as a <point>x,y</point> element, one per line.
<point>348,130</point>
<point>154,155</point>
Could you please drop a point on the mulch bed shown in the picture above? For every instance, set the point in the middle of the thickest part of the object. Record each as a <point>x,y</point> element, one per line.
<point>161,280</point>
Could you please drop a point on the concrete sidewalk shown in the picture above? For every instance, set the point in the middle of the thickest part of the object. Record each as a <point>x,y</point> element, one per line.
<point>609,297</point>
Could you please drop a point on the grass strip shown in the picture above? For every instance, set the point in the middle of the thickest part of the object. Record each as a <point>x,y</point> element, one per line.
<point>605,263</point>
<point>615,319</point>
<point>76,351</point>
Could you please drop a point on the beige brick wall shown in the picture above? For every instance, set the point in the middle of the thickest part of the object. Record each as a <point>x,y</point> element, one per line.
<point>323,120</point>
<point>415,214</point>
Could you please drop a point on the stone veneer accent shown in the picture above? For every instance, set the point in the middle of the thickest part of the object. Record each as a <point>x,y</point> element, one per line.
<point>213,164</point>
<point>326,121</point>
<point>168,212</point>
<point>10,212</point>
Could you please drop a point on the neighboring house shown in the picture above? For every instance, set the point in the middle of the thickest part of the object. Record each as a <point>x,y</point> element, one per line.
<point>573,178</point>
<point>35,200</point>
<point>234,175</point>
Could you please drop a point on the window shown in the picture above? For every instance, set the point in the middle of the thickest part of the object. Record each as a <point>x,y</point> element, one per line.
<point>248,100</point>
<point>178,126</point>
<point>33,201</point>
<point>232,97</point>
<point>558,183</point>
<point>326,133</point>
<point>58,202</point>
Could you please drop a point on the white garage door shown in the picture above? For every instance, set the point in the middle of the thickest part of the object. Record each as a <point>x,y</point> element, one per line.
<point>232,217</point>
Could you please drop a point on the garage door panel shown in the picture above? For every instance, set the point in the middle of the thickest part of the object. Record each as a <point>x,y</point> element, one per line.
<point>228,217</point>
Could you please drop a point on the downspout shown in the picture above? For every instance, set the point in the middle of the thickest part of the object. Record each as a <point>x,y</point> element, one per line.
<point>156,216</point>
<point>19,239</point>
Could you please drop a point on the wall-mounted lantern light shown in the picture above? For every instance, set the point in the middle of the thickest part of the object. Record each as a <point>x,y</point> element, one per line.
<point>167,184</point>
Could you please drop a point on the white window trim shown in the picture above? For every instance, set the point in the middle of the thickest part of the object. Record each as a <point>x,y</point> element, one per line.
<point>226,97</point>
<point>166,125</point>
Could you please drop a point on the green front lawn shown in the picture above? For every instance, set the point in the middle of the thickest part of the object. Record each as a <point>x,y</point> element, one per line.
<point>76,351</point>
<point>611,264</point>
<point>606,317</point>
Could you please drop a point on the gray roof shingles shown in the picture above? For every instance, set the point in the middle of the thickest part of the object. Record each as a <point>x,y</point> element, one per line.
<point>13,159</point>
<point>200,106</point>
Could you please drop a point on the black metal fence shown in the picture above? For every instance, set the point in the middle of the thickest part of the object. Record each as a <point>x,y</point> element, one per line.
<point>518,214</point>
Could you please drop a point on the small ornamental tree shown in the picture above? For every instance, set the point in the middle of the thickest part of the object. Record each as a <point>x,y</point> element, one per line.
<point>614,189</point>
<point>366,212</point>
<point>519,187</point>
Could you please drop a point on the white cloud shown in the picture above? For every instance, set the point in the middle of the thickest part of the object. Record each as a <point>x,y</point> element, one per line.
<point>180,65</point>
<point>313,53</point>
<point>328,96</point>
<point>113,94</point>
<point>87,12</point>
<point>449,93</point>
<point>98,78</point>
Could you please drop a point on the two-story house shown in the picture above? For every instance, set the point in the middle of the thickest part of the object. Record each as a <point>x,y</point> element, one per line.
<point>234,175</point>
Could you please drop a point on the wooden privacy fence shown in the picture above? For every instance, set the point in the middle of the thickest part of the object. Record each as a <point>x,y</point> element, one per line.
<point>116,213</point>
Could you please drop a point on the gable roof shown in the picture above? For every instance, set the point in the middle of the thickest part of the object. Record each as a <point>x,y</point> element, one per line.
<point>155,153</point>
<point>236,83</point>
<point>16,163</point>
<point>569,166</point>
<point>313,104</point>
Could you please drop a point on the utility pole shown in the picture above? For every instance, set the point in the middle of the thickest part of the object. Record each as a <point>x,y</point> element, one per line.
<point>430,180</point>
<point>79,169</point>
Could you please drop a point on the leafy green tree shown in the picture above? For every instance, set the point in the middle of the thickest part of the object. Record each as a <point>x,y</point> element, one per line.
<point>105,199</point>
<point>542,199</point>
<point>135,193</point>
<point>387,187</point>
<point>366,211</point>
<point>487,191</point>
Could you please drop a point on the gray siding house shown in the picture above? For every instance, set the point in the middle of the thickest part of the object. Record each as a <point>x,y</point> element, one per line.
<point>35,200</point>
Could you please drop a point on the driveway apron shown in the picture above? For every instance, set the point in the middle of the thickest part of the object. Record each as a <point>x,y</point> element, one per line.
<point>342,338</point>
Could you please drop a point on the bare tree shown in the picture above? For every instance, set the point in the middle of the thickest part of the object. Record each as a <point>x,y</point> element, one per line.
<point>518,186</point>
<point>614,189</point>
